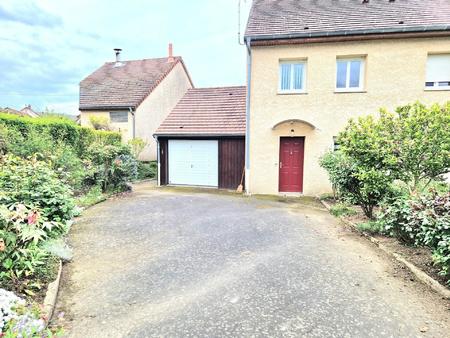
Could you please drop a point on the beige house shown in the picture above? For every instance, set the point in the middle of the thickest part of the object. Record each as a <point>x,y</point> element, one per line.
<point>313,65</point>
<point>135,96</point>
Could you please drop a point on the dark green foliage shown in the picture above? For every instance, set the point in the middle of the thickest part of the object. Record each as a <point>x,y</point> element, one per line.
<point>60,130</point>
<point>110,166</point>
<point>147,170</point>
<point>357,182</point>
<point>422,221</point>
<point>34,183</point>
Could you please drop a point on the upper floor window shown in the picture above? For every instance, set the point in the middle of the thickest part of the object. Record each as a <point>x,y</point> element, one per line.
<point>292,76</point>
<point>350,74</point>
<point>438,71</point>
<point>118,116</point>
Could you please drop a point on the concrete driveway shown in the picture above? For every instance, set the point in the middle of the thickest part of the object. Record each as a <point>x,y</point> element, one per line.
<point>179,263</point>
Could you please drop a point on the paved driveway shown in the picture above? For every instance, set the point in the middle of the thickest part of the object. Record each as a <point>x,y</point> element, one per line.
<point>187,264</point>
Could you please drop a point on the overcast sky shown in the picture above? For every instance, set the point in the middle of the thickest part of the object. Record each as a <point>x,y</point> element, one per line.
<point>49,46</point>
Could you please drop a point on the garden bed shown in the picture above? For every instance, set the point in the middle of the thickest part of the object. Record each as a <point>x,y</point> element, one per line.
<point>421,257</point>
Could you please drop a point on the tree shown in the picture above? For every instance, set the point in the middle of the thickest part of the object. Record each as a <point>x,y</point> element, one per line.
<point>411,145</point>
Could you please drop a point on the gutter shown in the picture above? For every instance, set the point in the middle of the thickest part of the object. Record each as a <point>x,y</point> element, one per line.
<point>413,29</point>
<point>248,41</point>
<point>197,135</point>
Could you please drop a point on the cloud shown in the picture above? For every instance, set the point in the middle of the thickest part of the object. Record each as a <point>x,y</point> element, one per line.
<point>28,13</point>
<point>50,46</point>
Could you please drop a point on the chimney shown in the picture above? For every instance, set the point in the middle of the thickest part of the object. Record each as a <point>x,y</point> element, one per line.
<point>171,58</point>
<point>117,51</point>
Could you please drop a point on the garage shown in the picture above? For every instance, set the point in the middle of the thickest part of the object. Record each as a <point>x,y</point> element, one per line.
<point>202,141</point>
<point>194,162</point>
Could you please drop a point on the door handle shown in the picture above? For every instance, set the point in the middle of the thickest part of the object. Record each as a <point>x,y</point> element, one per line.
<point>281,165</point>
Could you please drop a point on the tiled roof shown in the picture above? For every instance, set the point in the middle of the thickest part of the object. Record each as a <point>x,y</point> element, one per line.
<point>309,18</point>
<point>208,111</point>
<point>125,86</point>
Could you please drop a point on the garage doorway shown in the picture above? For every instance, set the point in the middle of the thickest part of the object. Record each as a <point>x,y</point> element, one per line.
<point>194,162</point>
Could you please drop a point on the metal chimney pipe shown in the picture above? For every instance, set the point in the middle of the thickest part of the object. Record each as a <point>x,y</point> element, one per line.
<point>117,51</point>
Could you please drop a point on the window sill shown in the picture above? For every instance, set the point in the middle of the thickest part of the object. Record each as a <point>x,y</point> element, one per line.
<point>349,91</point>
<point>436,89</point>
<point>292,93</point>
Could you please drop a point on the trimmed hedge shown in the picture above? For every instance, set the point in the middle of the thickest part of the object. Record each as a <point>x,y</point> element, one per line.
<point>61,130</point>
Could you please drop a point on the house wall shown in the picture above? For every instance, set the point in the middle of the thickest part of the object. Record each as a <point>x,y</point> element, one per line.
<point>394,75</point>
<point>126,129</point>
<point>155,108</point>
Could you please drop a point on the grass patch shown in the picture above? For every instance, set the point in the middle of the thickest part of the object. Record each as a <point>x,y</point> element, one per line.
<point>92,197</point>
<point>370,227</point>
<point>341,209</point>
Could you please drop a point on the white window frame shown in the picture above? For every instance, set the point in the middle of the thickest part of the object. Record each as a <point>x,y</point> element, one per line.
<point>436,85</point>
<point>123,112</point>
<point>362,72</point>
<point>292,91</point>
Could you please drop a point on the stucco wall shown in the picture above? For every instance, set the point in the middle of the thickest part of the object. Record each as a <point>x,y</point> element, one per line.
<point>155,108</point>
<point>151,112</point>
<point>126,129</point>
<point>394,75</point>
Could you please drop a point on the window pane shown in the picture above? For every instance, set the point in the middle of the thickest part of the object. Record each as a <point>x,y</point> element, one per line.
<point>118,116</point>
<point>298,76</point>
<point>285,76</point>
<point>341,76</point>
<point>355,72</point>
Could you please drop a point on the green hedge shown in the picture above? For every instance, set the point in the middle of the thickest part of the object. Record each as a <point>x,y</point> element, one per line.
<point>61,130</point>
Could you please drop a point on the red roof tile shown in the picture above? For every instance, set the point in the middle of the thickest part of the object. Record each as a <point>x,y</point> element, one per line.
<point>306,18</point>
<point>208,111</point>
<point>112,87</point>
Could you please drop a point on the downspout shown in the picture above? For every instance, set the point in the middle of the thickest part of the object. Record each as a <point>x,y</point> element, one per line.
<point>158,159</point>
<point>247,116</point>
<point>133,113</point>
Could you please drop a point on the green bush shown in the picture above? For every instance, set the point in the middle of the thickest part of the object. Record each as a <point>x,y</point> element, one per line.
<point>147,170</point>
<point>422,221</point>
<point>34,183</point>
<point>60,130</point>
<point>356,182</point>
<point>111,166</point>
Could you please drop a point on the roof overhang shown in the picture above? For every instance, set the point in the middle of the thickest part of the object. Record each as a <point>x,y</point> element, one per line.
<point>292,121</point>
<point>178,135</point>
<point>349,35</point>
<point>103,108</point>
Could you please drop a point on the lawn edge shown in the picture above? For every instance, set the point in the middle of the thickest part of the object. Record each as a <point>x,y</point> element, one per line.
<point>52,294</point>
<point>420,274</point>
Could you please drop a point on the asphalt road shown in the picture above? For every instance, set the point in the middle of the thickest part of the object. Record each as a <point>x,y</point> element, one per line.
<point>179,263</point>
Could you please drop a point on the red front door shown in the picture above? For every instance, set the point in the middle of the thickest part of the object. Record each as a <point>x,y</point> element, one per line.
<point>292,151</point>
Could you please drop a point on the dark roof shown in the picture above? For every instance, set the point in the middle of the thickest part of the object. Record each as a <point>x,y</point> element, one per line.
<point>278,19</point>
<point>208,111</point>
<point>112,87</point>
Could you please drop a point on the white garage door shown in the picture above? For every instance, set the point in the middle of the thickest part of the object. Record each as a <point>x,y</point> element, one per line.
<point>194,162</point>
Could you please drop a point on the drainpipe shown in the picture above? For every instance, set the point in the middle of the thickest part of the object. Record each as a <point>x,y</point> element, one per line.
<point>133,114</point>
<point>247,116</point>
<point>158,159</point>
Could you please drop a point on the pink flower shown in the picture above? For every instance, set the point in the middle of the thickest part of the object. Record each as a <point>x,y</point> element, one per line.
<point>33,217</point>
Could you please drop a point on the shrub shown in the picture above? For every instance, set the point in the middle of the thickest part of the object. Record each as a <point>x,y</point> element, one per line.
<point>23,231</point>
<point>423,221</point>
<point>34,183</point>
<point>111,166</point>
<point>60,130</point>
<point>100,123</point>
<point>137,146</point>
<point>356,182</point>
<point>147,170</point>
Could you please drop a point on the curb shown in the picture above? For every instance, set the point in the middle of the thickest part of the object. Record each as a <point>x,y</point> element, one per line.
<point>420,275</point>
<point>52,294</point>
